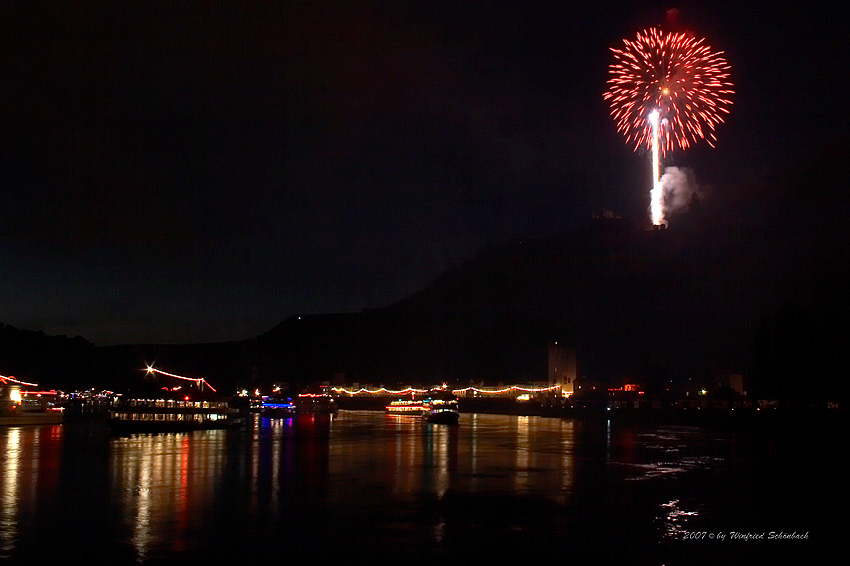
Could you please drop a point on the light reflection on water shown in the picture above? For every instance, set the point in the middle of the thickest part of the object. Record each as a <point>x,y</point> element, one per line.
<point>365,481</point>
<point>164,482</point>
<point>9,505</point>
<point>674,519</point>
<point>665,451</point>
<point>484,453</point>
<point>29,461</point>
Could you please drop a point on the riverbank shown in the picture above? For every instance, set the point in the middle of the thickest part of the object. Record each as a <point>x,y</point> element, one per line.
<point>719,418</point>
<point>710,417</point>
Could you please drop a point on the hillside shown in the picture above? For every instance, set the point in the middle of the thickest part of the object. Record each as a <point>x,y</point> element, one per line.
<point>752,281</point>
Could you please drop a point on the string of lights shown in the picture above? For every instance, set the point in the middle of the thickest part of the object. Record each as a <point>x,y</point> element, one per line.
<point>198,380</point>
<point>378,391</point>
<point>384,391</point>
<point>507,390</point>
<point>7,379</point>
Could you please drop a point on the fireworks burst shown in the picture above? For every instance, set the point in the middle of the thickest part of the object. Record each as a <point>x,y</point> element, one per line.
<point>676,74</point>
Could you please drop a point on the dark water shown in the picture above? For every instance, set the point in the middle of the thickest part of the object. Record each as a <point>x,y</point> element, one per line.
<point>362,484</point>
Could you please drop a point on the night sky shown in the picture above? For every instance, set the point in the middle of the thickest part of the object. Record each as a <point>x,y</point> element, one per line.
<point>190,172</point>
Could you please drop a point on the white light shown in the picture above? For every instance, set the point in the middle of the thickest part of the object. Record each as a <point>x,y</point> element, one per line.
<point>657,190</point>
<point>653,117</point>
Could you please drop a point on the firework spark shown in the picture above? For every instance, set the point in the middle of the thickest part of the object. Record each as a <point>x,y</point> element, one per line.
<point>677,74</point>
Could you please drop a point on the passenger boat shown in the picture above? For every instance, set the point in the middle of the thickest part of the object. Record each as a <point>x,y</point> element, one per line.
<point>315,403</point>
<point>407,407</point>
<point>169,411</point>
<point>156,408</point>
<point>442,408</point>
<point>276,407</point>
<point>20,407</point>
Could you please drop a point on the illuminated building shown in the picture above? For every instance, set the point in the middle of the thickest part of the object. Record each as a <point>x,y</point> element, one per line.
<point>562,367</point>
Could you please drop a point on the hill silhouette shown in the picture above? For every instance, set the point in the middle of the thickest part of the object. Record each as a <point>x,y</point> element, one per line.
<point>751,281</point>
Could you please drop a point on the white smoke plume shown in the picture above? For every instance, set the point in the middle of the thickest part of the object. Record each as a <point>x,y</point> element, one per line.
<point>680,186</point>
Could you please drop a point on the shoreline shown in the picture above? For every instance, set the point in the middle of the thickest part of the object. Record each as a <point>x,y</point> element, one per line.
<point>721,418</point>
<point>708,417</point>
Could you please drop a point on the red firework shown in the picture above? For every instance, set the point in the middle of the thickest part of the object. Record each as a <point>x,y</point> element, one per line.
<point>677,74</point>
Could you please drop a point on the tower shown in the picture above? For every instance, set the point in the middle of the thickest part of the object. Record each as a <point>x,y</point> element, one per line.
<point>562,366</point>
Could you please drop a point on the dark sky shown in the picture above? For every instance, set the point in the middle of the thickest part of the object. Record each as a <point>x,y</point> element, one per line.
<point>191,172</point>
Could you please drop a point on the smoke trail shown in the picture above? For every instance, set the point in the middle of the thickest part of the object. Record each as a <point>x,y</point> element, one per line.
<point>679,187</point>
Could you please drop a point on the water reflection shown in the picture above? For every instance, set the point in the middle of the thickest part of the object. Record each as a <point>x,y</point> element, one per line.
<point>519,454</point>
<point>665,451</point>
<point>11,450</point>
<point>484,453</point>
<point>270,459</point>
<point>674,519</point>
<point>440,457</point>
<point>165,483</point>
<point>30,458</point>
<point>312,477</point>
<point>364,482</point>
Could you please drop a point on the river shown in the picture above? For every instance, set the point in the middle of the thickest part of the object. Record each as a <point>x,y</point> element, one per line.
<point>365,485</point>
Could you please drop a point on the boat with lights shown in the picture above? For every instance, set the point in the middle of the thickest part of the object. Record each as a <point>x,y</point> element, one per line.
<point>442,408</point>
<point>407,407</point>
<point>22,406</point>
<point>154,407</point>
<point>171,411</point>
<point>277,407</point>
<point>315,403</point>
